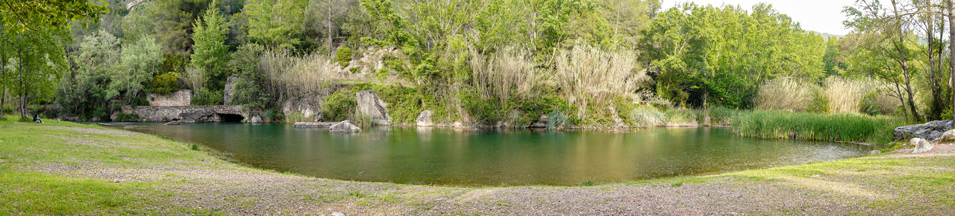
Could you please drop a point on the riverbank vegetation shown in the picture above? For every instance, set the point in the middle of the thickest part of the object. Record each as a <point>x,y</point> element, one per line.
<point>588,63</point>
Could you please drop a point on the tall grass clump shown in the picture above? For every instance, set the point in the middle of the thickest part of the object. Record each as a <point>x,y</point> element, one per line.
<point>507,74</point>
<point>593,77</point>
<point>841,127</point>
<point>845,94</point>
<point>647,116</point>
<point>785,93</point>
<point>291,76</point>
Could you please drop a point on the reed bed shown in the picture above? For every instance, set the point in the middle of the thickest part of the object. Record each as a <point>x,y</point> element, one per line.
<point>842,127</point>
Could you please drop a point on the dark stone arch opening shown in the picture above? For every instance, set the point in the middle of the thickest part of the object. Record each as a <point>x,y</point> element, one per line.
<point>230,117</point>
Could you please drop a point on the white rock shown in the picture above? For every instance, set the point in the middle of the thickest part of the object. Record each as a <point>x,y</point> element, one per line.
<point>921,145</point>
<point>948,136</point>
<point>338,214</point>
<point>424,119</point>
<point>344,127</point>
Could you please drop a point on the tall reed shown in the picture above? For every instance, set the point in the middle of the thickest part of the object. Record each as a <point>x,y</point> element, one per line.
<point>845,94</point>
<point>844,127</point>
<point>594,77</point>
<point>785,93</point>
<point>505,74</point>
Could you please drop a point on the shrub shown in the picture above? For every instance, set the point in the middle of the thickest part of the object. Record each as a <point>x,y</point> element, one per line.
<point>680,117</point>
<point>877,103</point>
<point>207,97</point>
<point>127,117</point>
<point>339,106</point>
<point>165,83</point>
<point>784,93</point>
<point>343,56</point>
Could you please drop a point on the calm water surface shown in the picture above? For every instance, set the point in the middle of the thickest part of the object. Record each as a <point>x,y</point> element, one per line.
<point>449,157</point>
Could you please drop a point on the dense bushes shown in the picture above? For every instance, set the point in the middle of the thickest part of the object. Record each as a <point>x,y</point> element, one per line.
<point>165,83</point>
<point>339,106</point>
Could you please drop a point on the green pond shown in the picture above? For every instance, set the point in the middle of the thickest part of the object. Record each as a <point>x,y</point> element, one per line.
<point>493,158</point>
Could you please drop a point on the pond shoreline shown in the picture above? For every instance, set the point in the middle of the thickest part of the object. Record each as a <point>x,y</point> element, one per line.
<point>131,173</point>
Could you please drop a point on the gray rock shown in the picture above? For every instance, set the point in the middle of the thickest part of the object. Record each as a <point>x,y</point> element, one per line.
<point>921,145</point>
<point>874,152</point>
<point>373,107</point>
<point>229,92</point>
<point>344,127</point>
<point>314,124</point>
<point>948,136</point>
<point>929,131</point>
<point>424,119</point>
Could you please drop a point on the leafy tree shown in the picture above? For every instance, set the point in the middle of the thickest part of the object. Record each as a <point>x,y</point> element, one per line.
<point>210,51</point>
<point>138,63</point>
<point>275,23</point>
<point>87,92</point>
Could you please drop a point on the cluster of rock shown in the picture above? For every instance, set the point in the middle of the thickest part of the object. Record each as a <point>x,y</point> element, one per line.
<point>921,134</point>
<point>929,131</point>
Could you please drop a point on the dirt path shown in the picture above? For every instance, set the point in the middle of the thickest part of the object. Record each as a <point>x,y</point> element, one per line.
<point>893,184</point>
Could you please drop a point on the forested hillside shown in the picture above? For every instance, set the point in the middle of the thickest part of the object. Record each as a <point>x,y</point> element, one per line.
<point>482,62</point>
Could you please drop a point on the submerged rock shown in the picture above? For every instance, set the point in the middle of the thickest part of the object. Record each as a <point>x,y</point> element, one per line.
<point>344,127</point>
<point>929,131</point>
<point>370,105</point>
<point>921,145</point>
<point>176,122</point>
<point>424,119</point>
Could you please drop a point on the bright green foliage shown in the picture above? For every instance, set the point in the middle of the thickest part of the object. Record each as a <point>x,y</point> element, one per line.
<point>165,83</point>
<point>210,52</point>
<point>835,57</point>
<point>275,23</point>
<point>339,106</point>
<point>343,56</point>
<point>718,56</point>
<point>138,63</point>
<point>36,64</point>
<point>169,21</point>
<point>37,15</point>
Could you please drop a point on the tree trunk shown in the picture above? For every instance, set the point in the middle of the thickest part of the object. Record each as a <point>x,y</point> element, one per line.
<point>951,63</point>
<point>900,47</point>
<point>330,49</point>
<point>20,63</point>
<point>3,74</point>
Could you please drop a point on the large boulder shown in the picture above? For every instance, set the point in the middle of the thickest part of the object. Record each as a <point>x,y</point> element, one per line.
<point>921,145</point>
<point>373,107</point>
<point>541,123</point>
<point>948,136</point>
<point>929,131</point>
<point>229,92</point>
<point>424,119</point>
<point>344,127</point>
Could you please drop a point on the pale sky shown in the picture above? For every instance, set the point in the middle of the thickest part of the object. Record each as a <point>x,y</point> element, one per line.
<point>815,15</point>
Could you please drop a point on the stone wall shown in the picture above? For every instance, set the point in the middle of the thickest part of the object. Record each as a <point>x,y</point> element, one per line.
<point>187,113</point>
<point>179,98</point>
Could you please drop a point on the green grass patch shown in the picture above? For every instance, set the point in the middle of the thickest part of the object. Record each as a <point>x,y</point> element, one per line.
<point>816,126</point>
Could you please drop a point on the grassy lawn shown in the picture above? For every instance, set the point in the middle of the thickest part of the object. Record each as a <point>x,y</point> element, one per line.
<point>68,168</point>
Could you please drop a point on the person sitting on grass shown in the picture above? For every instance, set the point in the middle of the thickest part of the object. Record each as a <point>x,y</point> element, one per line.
<point>36,118</point>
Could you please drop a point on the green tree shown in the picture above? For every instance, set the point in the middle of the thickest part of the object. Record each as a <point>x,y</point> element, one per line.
<point>86,93</point>
<point>210,51</point>
<point>138,63</point>
<point>275,23</point>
